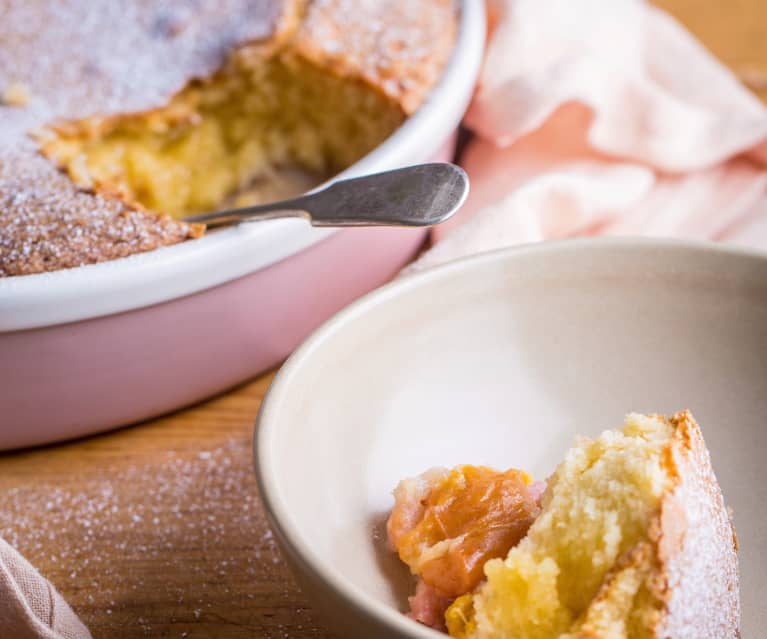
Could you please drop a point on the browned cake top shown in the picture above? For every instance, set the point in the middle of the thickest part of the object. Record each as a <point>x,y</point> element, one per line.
<point>72,60</point>
<point>697,546</point>
<point>77,59</point>
<point>398,46</point>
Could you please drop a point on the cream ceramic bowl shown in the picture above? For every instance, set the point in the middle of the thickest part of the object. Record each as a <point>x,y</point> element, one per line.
<point>86,349</point>
<point>502,359</point>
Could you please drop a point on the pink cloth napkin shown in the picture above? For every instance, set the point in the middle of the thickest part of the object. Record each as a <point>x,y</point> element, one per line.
<point>606,117</point>
<point>30,607</point>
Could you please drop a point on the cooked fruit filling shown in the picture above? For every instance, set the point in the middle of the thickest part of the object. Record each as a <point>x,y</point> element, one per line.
<point>261,128</point>
<point>447,523</point>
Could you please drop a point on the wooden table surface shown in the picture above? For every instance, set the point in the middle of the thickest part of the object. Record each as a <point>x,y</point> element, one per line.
<point>157,530</point>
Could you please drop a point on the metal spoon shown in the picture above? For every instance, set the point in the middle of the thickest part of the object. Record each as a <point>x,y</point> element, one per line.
<point>419,195</point>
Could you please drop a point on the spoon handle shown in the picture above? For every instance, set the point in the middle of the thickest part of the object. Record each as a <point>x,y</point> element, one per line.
<point>420,195</point>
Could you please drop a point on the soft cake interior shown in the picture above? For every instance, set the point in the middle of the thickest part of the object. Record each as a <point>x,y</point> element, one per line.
<point>261,128</point>
<point>584,567</point>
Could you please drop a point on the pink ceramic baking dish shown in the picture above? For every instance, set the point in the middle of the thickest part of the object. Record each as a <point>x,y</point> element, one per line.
<point>88,349</point>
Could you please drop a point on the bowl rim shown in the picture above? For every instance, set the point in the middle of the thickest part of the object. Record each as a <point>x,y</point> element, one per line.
<point>166,273</point>
<point>276,510</point>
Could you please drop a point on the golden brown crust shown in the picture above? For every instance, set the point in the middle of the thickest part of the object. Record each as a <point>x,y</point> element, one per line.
<point>77,62</point>
<point>642,560</point>
<point>696,545</point>
<point>397,47</point>
<point>689,565</point>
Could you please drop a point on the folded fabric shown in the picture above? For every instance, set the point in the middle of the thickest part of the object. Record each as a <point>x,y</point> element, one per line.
<point>605,117</point>
<point>30,607</point>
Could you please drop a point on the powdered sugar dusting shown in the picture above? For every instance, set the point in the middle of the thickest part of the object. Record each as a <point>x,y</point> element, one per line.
<point>700,563</point>
<point>46,222</point>
<point>400,47</point>
<point>77,59</point>
<point>196,542</point>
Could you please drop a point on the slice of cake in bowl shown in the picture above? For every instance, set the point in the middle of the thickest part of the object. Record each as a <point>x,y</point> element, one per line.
<point>632,541</point>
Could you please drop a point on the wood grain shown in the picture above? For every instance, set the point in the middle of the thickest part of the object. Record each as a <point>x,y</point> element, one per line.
<point>733,30</point>
<point>156,530</point>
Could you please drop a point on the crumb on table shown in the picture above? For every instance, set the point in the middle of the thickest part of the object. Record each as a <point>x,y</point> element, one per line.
<point>15,94</point>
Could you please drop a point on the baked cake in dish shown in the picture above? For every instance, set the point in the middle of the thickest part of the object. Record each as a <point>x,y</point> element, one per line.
<point>632,541</point>
<point>116,120</point>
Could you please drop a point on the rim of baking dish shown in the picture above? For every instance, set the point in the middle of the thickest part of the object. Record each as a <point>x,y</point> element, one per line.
<point>144,279</point>
<point>293,540</point>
